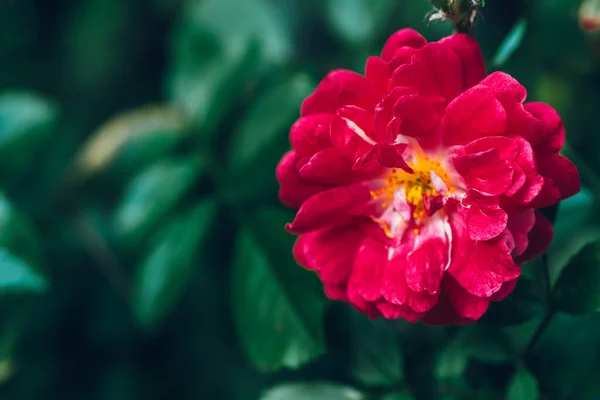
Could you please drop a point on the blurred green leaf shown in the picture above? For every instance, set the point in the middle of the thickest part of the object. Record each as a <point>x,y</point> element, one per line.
<point>510,44</point>
<point>152,194</point>
<point>567,356</point>
<point>268,120</point>
<point>397,396</point>
<point>132,139</point>
<point>312,391</point>
<point>524,386</point>
<point>278,310</point>
<point>7,370</point>
<point>520,306</point>
<point>215,59</point>
<point>25,122</point>
<point>577,290</point>
<point>19,236</point>
<point>375,356</point>
<point>451,362</point>
<point>16,276</point>
<point>162,276</point>
<point>357,21</point>
<point>578,212</point>
<point>258,19</point>
<point>486,344</point>
<point>206,88</point>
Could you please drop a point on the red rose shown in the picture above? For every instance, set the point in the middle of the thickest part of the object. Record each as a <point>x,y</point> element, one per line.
<point>417,183</point>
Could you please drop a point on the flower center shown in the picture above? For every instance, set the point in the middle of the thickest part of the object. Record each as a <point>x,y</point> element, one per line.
<point>415,195</point>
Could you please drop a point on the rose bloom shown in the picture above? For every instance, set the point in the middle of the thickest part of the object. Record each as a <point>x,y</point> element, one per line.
<point>418,183</point>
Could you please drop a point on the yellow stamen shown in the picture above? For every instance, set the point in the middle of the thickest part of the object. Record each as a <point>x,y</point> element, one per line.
<point>417,186</point>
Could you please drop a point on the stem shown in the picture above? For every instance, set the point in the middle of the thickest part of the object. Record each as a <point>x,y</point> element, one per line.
<point>102,254</point>
<point>550,313</point>
<point>538,332</point>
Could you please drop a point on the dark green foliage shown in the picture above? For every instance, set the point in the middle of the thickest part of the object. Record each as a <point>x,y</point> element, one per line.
<point>142,245</point>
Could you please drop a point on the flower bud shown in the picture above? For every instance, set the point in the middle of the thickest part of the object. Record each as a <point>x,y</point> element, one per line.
<point>589,16</point>
<point>461,12</point>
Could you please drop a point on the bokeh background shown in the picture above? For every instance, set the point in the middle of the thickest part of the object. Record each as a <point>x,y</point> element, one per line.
<point>142,251</point>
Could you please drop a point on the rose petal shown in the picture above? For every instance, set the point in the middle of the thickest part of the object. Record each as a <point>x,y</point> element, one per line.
<point>474,114</point>
<point>341,88</point>
<point>469,53</point>
<point>331,252</point>
<point>402,38</point>
<point>333,207</point>
<point>369,267</point>
<point>539,238</point>
<point>294,190</point>
<point>465,304</point>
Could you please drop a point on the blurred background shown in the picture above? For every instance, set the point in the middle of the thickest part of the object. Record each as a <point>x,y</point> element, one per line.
<point>142,252</point>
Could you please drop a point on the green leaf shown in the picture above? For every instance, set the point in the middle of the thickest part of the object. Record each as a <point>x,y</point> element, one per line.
<point>268,120</point>
<point>17,277</point>
<point>523,386</point>
<point>577,290</point>
<point>131,139</point>
<point>278,306</point>
<point>25,122</point>
<point>375,356</point>
<point>579,211</point>
<point>510,44</point>
<point>357,21</point>
<point>152,194</point>
<point>162,276</point>
<point>312,391</point>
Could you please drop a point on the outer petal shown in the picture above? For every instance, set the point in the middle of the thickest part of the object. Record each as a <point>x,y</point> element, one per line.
<point>332,167</point>
<point>351,130</point>
<point>539,238</point>
<point>485,222</point>
<point>505,290</point>
<point>467,49</point>
<point>444,314</point>
<point>310,134</point>
<point>466,305</point>
<point>435,71</point>
<point>341,88</point>
<point>333,207</point>
<point>336,292</point>
<point>402,38</point>
<point>474,114</point>
<point>563,173</point>
<point>426,264</point>
<point>394,311</point>
<point>511,95</point>
<point>294,190</point>
<point>369,266</point>
<point>520,223</point>
<point>417,117</point>
<point>378,72</point>
<point>550,137</point>
<point>331,252</point>
<point>481,267</point>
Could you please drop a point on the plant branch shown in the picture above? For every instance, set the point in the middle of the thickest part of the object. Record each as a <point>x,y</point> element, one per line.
<point>550,313</point>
